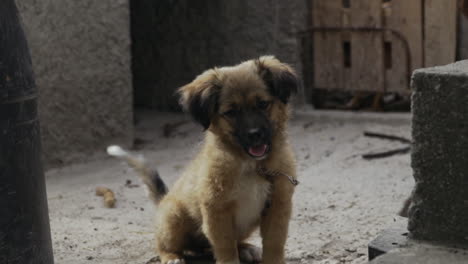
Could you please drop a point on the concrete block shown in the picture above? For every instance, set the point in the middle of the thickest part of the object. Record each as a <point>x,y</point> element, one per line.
<point>81,58</point>
<point>439,208</point>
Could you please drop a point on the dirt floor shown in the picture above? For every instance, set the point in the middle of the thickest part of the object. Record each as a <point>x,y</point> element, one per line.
<point>341,203</point>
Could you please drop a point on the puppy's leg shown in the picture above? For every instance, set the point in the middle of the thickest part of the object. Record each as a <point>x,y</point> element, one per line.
<point>274,224</point>
<point>173,229</point>
<point>218,226</point>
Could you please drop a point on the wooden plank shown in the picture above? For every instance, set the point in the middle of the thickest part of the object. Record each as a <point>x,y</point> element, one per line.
<point>328,54</point>
<point>326,13</point>
<point>440,18</point>
<point>366,13</point>
<point>328,65</point>
<point>366,47</point>
<point>404,17</point>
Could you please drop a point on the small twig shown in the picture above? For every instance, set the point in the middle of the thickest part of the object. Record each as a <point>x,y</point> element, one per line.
<point>386,153</point>
<point>388,137</point>
<point>108,194</point>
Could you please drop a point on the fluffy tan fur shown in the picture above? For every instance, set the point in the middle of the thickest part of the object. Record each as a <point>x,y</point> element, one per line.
<point>220,199</point>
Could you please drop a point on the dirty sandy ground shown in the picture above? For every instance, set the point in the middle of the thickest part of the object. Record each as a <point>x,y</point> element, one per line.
<point>341,203</point>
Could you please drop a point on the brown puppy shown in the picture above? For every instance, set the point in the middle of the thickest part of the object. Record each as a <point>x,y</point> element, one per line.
<point>244,175</point>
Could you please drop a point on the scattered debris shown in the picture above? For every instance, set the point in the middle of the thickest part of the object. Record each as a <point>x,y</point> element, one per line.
<point>361,101</point>
<point>108,194</point>
<point>388,137</point>
<point>386,153</point>
<point>402,150</point>
<point>128,184</point>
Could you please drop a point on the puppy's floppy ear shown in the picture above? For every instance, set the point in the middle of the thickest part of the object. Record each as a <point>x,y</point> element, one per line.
<point>280,78</point>
<point>201,97</point>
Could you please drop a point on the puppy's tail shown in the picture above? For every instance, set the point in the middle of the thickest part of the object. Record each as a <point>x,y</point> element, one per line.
<point>156,186</point>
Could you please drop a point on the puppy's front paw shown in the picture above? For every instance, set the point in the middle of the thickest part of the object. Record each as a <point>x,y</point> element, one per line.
<point>176,261</point>
<point>249,253</point>
<point>169,258</point>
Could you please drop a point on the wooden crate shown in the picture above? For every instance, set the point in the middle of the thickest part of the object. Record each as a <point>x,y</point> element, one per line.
<point>372,45</point>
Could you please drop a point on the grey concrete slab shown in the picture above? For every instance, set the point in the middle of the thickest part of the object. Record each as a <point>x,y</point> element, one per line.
<point>440,153</point>
<point>395,246</point>
<point>388,240</point>
<point>424,255</point>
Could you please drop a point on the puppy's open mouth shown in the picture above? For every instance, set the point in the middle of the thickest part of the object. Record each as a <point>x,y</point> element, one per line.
<point>259,151</point>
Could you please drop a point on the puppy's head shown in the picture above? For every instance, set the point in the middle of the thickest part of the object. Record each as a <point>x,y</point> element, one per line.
<point>245,105</point>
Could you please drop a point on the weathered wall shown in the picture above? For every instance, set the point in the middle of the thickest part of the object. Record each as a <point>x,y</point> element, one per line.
<point>175,40</point>
<point>81,57</point>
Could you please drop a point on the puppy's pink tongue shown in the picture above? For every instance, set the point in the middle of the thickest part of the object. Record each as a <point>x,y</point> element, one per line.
<point>258,151</point>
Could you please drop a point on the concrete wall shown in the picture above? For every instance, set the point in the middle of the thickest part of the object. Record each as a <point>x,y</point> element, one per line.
<point>81,58</point>
<point>175,40</point>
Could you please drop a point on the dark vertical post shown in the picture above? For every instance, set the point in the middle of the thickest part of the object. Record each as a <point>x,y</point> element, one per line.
<point>24,221</point>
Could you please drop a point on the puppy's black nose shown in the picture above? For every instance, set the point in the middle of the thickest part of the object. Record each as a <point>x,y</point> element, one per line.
<point>254,134</point>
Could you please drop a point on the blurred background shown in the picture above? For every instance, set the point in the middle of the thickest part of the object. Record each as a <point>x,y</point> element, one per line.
<point>107,71</point>
<point>97,62</point>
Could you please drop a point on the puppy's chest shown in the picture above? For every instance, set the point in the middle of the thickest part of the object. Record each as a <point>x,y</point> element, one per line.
<point>251,195</point>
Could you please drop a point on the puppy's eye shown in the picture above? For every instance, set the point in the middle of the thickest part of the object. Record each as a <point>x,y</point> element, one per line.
<point>230,113</point>
<point>263,104</point>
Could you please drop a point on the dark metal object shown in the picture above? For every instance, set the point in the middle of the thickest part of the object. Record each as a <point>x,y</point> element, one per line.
<point>388,137</point>
<point>306,33</point>
<point>24,222</point>
<point>402,150</point>
<point>386,154</point>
